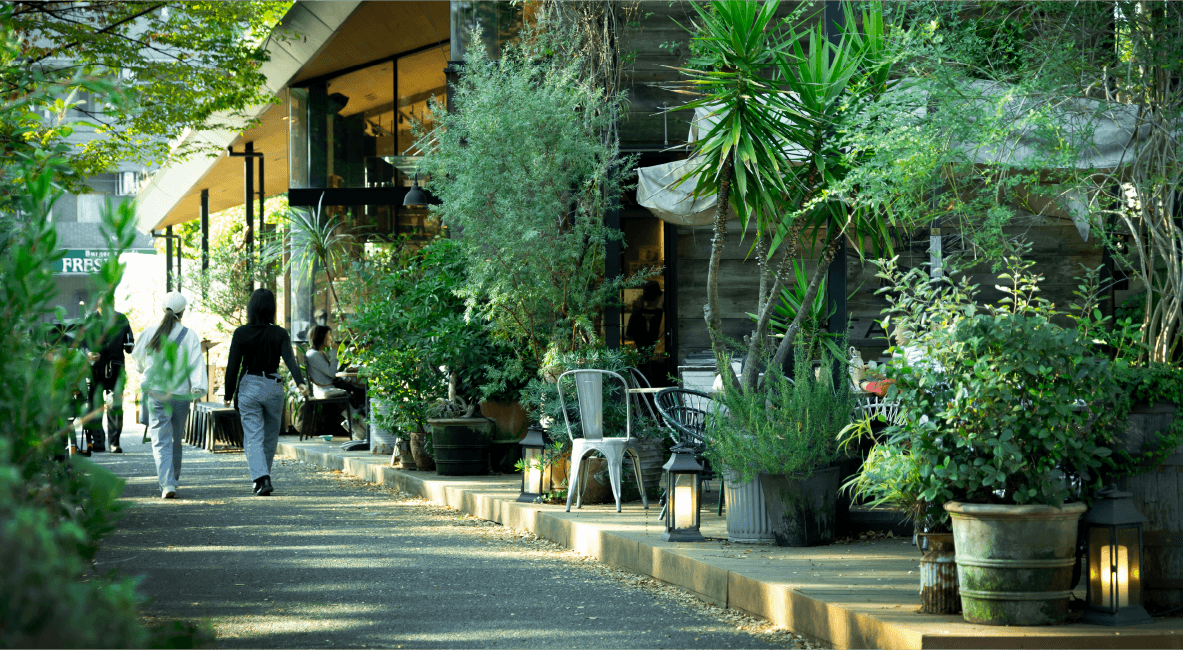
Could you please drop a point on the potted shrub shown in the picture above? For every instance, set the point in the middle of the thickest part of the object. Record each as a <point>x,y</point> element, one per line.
<point>786,436</point>
<point>1005,423</point>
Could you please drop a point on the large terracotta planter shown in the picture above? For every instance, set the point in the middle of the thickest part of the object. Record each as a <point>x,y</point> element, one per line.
<point>1014,563</point>
<point>802,510</point>
<point>509,420</point>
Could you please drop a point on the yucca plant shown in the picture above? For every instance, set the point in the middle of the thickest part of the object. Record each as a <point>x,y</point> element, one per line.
<point>775,154</point>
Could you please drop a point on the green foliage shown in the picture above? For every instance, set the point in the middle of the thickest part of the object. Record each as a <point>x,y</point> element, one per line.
<point>524,172</point>
<point>145,50</point>
<point>790,429</point>
<point>1147,385</point>
<point>226,286</point>
<point>318,243</point>
<point>1009,408</point>
<point>778,152</point>
<point>53,511</point>
<point>413,324</point>
<point>540,397</point>
<point>1004,110</point>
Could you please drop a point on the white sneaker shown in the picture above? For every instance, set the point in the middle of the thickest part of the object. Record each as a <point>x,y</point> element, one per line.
<point>168,493</point>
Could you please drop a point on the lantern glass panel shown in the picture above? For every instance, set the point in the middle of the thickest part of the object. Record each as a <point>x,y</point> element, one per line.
<point>1127,540</point>
<point>533,473</point>
<point>685,501</point>
<point>1099,573</point>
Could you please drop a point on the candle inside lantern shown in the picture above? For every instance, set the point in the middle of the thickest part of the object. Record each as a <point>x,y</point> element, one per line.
<point>1120,573</point>
<point>684,502</point>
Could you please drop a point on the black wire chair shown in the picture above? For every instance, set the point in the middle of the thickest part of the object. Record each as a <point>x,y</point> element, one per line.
<point>686,412</point>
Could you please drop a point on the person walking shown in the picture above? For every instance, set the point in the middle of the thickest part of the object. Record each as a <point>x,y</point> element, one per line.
<point>107,371</point>
<point>257,390</point>
<point>169,357</point>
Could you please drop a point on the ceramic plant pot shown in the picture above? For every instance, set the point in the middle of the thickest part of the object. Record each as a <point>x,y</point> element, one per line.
<point>1014,563</point>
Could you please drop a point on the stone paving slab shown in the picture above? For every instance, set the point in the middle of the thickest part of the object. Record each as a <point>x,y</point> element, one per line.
<point>863,594</point>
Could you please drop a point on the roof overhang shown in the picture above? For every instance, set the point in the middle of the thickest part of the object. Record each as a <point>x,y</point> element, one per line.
<point>174,194</point>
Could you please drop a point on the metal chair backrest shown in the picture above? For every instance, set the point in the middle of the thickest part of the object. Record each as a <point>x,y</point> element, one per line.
<point>642,402</point>
<point>683,410</point>
<point>589,390</point>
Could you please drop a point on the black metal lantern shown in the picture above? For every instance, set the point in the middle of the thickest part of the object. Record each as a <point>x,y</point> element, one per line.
<point>1114,534</point>
<point>536,475</point>
<point>683,490</point>
<point>415,197</point>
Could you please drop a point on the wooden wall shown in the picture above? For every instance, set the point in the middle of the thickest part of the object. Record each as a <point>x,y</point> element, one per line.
<point>1057,250</point>
<point>657,45</point>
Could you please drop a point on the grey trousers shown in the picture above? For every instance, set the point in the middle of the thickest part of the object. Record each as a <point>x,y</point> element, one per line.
<point>260,407</point>
<point>166,425</point>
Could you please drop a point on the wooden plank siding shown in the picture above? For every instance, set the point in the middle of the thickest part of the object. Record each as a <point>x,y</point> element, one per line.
<point>1057,250</point>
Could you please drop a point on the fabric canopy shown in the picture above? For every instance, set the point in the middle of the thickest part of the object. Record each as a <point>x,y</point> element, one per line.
<point>1109,131</point>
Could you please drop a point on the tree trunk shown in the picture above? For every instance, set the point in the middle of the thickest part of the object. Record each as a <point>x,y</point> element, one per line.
<point>713,319</point>
<point>823,264</point>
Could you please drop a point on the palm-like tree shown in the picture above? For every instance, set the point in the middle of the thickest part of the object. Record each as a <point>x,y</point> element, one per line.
<point>774,152</point>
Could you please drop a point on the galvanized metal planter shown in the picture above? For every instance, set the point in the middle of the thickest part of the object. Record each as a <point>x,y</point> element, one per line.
<point>1014,563</point>
<point>382,440</point>
<point>938,576</point>
<point>747,518</point>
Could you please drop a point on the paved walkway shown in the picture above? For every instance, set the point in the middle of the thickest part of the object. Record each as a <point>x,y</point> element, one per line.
<point>860,594</point>
<point>332,561</point>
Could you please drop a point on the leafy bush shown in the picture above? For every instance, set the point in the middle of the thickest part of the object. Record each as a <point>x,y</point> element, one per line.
<point>414,338</point>
<point>1011,409</point>
<point>522,167</point>
<point>789,428</point>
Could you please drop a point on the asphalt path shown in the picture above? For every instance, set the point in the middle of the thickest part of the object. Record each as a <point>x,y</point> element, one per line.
<point>331,561</point>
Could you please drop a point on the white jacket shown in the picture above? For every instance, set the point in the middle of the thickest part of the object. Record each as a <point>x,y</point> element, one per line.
<point>150,364</point>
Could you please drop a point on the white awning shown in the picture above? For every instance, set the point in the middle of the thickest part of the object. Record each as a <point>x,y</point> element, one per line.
<point>1109,130</point>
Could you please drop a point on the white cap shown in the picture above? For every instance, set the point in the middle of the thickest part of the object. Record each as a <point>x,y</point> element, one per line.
<point>174,301</point>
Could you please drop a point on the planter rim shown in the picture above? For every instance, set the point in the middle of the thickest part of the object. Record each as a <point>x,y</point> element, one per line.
<point>802,475</point>
<point>1005,511</point>
<point>480,419</point>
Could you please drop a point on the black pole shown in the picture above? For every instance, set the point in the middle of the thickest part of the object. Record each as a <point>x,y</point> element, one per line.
<point>180,247</point>
<point>262,199</point>
<point>204,231</point>
<point>249,202</point>
<point>168,258</point>
<point>611,271</point>
<point>835,20</point>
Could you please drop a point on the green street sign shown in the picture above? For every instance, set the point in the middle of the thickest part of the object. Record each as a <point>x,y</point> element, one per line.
<point>82,261</point>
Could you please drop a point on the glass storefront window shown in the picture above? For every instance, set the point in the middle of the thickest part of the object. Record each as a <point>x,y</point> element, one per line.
<point>373,230</point>
<point>497,23</point>
<point>298,137</point>
<point>420,77</point>
<point>344,131</point>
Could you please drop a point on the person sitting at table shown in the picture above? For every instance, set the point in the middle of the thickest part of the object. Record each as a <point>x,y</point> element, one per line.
<point>321,361</point>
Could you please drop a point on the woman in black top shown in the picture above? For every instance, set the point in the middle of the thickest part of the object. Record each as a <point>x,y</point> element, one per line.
<point>257,348</point>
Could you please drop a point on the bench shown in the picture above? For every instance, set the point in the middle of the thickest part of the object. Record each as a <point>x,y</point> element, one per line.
<point>213,422</point>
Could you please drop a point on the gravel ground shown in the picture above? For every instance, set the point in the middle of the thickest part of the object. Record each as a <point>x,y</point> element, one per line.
<point>333,561</point>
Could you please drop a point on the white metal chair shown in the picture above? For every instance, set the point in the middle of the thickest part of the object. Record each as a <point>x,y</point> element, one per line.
<point>589,389</point>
